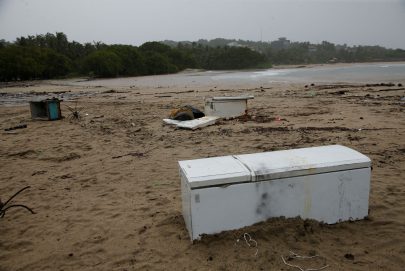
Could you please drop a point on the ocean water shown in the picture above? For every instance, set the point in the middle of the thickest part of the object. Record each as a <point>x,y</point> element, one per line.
<point>330,73</point>
<point>351,73</point>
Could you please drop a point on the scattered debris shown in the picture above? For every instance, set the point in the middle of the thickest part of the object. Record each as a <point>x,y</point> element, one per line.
<point>349,256</point>
<point>177,92</point>
<point>391,89</point>
<point>4,207</point>
<point>193,124</point>
<point>188,117</point>
<point>114,91</point>
<point>110,91</point>
<point>260,118</point>
<point>75,114</point>
<point>39,172</point>
<point>12,98</point>
<point>381,85</point>
<point>21,126</point>
<point>312,94</point>
<point>181,114</point>
<point>309,129</point>
<point>340,92</point>
<point>163,96</point>
<point>196,112</point>
<point>187,112</point>
<point>136,154</point>
<point>294,256</point>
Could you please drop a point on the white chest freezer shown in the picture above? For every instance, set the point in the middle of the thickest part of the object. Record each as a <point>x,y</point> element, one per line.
<point>328,184</point>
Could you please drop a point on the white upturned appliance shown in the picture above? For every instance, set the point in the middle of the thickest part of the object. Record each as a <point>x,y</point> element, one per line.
<point>328,184</point>
<point>226,107</point>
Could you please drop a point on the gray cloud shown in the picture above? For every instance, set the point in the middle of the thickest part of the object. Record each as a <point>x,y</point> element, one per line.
<point>136,21</point>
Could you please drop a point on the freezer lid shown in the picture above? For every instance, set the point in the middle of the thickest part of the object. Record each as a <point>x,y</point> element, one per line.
<point>305,161</point>
<point>214,171</point>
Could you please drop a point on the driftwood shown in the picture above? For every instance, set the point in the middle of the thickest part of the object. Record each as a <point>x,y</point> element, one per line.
<point>4,207</point>
<point>21,126</point>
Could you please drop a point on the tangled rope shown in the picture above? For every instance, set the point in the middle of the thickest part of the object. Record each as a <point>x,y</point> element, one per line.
<point>250,242</point>
<point>294,255</point>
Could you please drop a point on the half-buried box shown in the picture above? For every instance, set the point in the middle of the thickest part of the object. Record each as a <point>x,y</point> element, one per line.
<point>48,109</point>
<point>329,184</point>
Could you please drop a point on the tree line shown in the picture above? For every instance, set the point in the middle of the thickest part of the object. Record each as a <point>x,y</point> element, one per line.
<point>54,56</point>
<point>283,51</point>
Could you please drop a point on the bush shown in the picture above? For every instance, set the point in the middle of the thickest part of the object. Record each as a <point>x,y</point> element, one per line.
<point>132,61</point>
<point>55,65</point>
<point>157,63</point>
<point>102,63</point>
<point>20,63</point>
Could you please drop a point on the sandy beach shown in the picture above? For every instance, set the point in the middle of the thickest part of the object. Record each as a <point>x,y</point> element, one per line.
<point>106,189</point>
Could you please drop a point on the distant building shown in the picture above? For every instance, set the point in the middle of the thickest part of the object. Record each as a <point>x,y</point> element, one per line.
<point>234,44</point>
<point>312,48</point>
<point>333,60</point>
<point>351,49</point>
<point>341,47</point>
<point>281,43</point>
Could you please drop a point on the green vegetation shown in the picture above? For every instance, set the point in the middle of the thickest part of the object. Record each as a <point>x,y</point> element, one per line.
<point>54,56</point>
<point>283,51</point>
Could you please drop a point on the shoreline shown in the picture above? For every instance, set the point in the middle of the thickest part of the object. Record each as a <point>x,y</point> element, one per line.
<point>337,64</point>
<point>187,72</point>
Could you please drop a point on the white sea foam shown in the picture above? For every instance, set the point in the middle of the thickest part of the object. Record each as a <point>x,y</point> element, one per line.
<point>270,72</point>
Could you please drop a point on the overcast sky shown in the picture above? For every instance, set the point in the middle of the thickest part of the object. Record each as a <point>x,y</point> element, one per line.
<point>356,22</point>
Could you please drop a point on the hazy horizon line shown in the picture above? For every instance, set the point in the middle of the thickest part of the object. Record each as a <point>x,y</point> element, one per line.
<point>207,39</point>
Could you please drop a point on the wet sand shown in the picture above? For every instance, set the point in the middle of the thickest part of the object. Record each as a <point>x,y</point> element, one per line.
<point>106,189</point>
